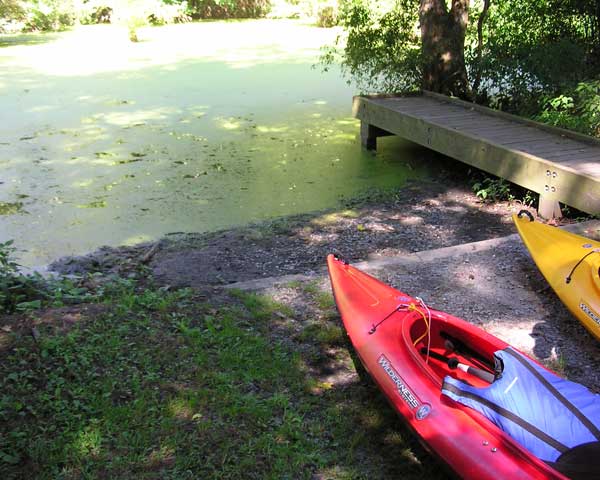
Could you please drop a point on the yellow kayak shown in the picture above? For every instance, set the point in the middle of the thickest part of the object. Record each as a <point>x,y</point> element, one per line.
<point>570,263</point>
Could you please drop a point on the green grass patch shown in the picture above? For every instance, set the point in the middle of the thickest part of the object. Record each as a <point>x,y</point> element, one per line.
<point>324,333</point>
<point>164,384</point>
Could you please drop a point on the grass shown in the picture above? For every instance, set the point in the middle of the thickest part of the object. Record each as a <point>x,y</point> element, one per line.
<point>155,383</point>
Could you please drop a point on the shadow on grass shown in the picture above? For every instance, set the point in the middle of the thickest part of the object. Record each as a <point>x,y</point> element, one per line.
<point>11,40</point>
<point>370,440</point>
<point>165,384</point>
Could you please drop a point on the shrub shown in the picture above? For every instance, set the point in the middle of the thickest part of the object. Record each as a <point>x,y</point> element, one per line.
<point>222,9</point>
<point>327,16</point>
<point>133,23</point>
<point>163,14</point>
<point>493,190</point>
<point>47,15</point>
<point>576,109</point>
<point>380,48</point>
<point>96,11</point>
<point>16,289</point>
<point>25,292</point>
<point>12,16</point>
<point>142,12</point>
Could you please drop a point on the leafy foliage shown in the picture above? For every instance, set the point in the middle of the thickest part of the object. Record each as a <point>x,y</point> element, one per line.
<point>489,188</point>
<point>36,15</point>
<point>380,49</point>
<point>528,49</point>
<point>327,16</point>
<point>16,290</point>
<point>493,189</point>
<point>229,8</point>
<point>534,47</point>
<point>50,15</point>
<point>23,292</point>
<point>47,15</point>
<point>11,8</point>
<point>576,109</point>
<point>134,13</point>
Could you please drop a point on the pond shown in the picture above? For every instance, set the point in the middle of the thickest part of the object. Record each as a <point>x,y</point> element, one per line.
<point>197,127</point>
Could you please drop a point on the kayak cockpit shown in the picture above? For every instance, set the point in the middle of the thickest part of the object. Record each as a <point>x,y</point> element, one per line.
<point>507,388</point>
<point>442,349</point>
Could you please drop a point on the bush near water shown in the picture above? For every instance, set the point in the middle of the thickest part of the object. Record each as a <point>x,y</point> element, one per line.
<point>54,15</point>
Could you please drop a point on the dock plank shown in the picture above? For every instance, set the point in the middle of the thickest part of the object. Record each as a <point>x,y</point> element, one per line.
<point>559,165</point>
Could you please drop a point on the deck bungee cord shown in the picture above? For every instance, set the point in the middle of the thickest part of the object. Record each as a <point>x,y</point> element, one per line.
<point>413,308</point>
<point>427,320</point>
<point>454,363</point>
<point>568,279</point>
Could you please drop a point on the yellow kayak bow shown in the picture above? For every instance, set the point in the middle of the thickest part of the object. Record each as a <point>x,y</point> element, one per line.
<point>571,265</point>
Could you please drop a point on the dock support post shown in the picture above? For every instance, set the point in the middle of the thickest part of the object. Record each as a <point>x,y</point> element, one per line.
<point>549,207</point>
<point>369,134</point>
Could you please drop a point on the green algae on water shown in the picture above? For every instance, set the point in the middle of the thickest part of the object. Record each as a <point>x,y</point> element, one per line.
<point>8,208</point>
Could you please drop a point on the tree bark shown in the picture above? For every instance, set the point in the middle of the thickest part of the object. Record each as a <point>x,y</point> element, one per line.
<point>443,45</point>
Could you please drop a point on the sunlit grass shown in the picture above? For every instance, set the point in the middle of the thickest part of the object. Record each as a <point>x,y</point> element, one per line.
<point>165,383</point>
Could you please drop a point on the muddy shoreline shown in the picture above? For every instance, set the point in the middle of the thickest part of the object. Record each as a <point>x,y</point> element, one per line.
<point>420,216</point>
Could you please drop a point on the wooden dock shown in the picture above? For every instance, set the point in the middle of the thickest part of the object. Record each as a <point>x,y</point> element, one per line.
<point>560,165</point>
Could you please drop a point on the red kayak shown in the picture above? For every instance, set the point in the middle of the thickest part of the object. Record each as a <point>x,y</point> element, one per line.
<point>408,349</point>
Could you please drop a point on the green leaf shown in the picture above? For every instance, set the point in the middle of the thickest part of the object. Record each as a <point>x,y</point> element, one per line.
<point>7,458</point>
<point>33,305</point>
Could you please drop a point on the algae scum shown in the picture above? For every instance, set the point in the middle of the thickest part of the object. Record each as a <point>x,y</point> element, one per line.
<point>197,127</point>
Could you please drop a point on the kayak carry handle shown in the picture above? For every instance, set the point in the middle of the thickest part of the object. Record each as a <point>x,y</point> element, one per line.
<point>453,363</point>
<point>338,256</point>
<point>527,213</point>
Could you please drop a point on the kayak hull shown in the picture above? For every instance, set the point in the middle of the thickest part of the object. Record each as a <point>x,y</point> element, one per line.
<point>569,264</point>
<point>388,331</point>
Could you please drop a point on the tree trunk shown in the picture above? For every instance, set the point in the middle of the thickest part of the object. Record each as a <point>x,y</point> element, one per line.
<point>443,45</point>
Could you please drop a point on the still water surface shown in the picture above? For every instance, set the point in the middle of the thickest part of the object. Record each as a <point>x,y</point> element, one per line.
<point>198,127</point>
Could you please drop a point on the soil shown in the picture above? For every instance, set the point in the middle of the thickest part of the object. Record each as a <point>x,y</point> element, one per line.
<point>420,216</point>
<point>496,286</point>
